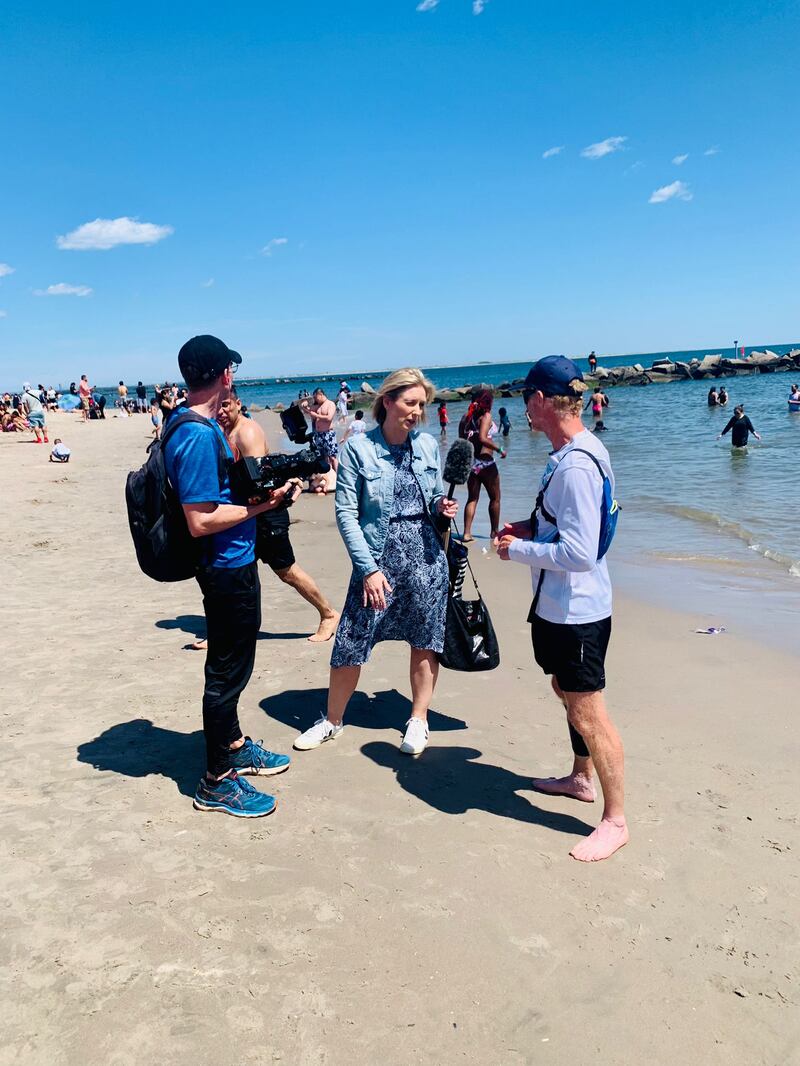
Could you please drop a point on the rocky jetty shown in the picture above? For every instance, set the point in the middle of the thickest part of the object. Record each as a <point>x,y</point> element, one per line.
<point>662,371</point>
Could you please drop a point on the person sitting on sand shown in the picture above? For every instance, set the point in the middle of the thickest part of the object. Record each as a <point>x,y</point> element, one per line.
<point>60,452</point>
<point>740,427</point>
<point>273,545</point>
<point>571,611</point>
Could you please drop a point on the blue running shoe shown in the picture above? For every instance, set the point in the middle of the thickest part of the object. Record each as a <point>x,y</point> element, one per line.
<point>233,796</point>
<point>251,758</point>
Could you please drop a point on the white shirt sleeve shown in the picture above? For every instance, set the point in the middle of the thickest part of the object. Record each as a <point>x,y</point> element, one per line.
<point>574,498</point>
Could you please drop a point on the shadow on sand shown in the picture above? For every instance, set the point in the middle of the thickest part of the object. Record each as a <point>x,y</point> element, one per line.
<point>138,749</point>
<point>449,779</point>
<point>195,625</point>
<point>300,708</point>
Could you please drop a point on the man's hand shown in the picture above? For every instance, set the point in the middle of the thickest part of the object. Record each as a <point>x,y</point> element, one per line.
<point>447,508</point>
<point>284,496</point>
<point>376,589</point>
<point>502,544</point>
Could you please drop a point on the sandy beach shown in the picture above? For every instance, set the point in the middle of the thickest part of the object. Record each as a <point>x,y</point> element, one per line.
<point>391,911</point>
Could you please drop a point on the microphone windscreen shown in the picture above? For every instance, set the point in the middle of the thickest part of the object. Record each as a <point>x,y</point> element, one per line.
<point>458,463</point>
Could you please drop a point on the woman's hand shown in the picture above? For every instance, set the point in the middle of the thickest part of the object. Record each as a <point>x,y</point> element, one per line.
<point>447,508</point>
<point>376,589</point>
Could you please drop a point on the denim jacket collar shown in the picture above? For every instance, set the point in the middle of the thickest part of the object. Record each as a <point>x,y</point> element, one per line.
<point>382,448</point>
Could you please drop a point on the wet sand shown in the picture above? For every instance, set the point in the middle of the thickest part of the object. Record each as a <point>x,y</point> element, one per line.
<point>392,910</point>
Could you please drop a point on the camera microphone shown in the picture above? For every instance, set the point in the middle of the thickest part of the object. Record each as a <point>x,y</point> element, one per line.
<point>457,467</point>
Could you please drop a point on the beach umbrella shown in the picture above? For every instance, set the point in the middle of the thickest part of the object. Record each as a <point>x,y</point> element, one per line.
<point>69,402</point>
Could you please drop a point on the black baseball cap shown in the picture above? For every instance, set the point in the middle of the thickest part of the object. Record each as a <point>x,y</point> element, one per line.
<point>202,359</point>
<point>553,376</point>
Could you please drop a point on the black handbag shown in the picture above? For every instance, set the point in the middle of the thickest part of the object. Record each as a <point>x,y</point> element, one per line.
<point>470,642</point>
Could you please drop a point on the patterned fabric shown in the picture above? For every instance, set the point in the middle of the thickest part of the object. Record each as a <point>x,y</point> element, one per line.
<point>326,443</point>
<point>414,564</point>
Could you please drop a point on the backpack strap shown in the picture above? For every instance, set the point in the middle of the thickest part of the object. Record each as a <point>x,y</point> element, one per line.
<point>192,416</point>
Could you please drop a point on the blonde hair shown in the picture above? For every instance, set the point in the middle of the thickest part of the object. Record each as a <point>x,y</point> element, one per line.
<point>570,405</point>
<point>398,381</point>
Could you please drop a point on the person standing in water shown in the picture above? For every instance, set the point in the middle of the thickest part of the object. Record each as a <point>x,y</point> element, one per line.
<point>597,401</point>
<point>712,399</point>
<point>478,427</point>
<point>723,397</point>
<point>740,428</point>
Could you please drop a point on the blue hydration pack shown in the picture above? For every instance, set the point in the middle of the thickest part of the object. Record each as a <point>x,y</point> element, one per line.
<point>609,507</point>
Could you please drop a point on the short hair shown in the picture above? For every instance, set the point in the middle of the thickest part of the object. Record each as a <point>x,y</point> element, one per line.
<point>359,415</point>
<point>739,409</point>
<point>319,392</point>
<point>397,382</point>
<point>572,405</point>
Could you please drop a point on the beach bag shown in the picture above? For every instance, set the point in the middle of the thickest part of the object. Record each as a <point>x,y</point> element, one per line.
<point>470,642</point>
<point>609,514</point>
<point>165,549</point>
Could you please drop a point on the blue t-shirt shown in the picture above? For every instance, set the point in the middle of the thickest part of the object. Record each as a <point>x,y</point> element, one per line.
<point>191,457</point>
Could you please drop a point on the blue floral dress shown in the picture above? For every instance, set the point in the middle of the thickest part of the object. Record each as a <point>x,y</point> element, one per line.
<point>414,564</point>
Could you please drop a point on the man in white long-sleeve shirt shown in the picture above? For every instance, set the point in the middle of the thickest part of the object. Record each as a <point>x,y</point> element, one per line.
<point>571,612</point>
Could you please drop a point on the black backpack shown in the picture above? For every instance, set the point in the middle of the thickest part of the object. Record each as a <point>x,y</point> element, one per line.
<point>165,549</point>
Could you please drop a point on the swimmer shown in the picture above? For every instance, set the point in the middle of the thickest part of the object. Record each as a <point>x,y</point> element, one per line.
<point>740,428</point>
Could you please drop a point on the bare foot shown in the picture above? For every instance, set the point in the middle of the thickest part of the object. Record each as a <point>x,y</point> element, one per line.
<point>576,786</point>
<point>327,627</point>
<point>467,540</point>
<point>610,836</point>
<point>199,645</point>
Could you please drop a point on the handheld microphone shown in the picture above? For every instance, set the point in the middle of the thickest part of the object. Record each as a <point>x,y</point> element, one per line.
<point>457,467</point>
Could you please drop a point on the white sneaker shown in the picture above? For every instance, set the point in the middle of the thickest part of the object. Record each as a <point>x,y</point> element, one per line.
<point>416,739</point>
<point>319,732</point>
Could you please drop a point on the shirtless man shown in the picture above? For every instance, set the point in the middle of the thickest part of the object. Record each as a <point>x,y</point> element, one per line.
<point>85,393</point>
<point>273,546</point>
<point>322,413</point>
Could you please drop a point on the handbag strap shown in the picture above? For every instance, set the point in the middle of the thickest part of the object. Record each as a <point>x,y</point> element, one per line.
<point>469,567</point>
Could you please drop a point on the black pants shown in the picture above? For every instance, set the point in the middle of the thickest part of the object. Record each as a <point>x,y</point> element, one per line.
<point>232,604</point>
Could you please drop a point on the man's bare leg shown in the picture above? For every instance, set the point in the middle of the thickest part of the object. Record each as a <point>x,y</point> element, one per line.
<point>586,712</point>
<point>304,584</point>
<point>579,783</point>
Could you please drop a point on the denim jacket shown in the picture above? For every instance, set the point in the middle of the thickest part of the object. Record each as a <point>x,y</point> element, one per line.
<point>365,491</point>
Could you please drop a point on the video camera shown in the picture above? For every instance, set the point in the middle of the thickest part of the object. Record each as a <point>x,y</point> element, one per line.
<point>255,477</point>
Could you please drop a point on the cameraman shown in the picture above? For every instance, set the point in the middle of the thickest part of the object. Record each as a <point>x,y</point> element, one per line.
<point>228,577</point>
<point>273,546</point>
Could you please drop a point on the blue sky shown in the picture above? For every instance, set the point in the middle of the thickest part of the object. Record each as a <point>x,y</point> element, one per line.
<point>335,186</point>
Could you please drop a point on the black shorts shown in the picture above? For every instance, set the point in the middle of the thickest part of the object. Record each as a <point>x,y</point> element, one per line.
<point>273,546</point>
<point>574,654</point>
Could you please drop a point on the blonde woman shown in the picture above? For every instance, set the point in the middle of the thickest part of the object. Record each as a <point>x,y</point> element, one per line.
<point>388,493</point>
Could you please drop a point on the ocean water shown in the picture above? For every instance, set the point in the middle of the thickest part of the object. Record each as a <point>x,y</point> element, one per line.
<point>703,527</point>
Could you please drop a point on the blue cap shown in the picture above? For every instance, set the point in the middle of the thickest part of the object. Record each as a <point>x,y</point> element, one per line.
<point>552,376</point>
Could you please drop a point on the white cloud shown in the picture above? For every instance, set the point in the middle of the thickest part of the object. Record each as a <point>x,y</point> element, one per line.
<point>105,233</point>
<point>713,150</point>
<point>63,289</point>
<point>679,160</point>
<point>276,242</point>
<point>5,270</point>
<point>478,6</point>
<point>207,284</point>
<point>427,5</point>
<point>601,148</point>
<point>676,190</point>
<point>553,151</point>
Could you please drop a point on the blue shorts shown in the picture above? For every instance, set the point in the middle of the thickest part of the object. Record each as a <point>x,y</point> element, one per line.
<point>36,419</point>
